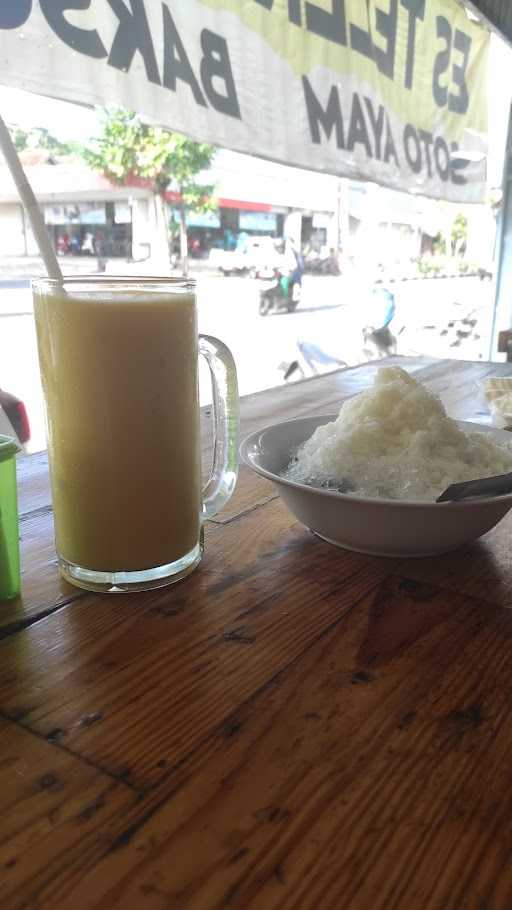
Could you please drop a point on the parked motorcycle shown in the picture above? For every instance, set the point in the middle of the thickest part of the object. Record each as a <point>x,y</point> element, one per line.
<point>282,295</point>
<point>322,265</point>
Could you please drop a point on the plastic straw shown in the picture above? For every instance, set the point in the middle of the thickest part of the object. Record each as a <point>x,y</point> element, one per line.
<point>30,203</point>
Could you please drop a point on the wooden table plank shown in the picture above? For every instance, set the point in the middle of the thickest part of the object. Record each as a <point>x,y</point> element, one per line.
<point>258,600</point>
<point>372,772</point>
<point>482,569</point>
<point>457,382</point>
<point>52,809</point>
<point>251,491</point>
<point>42,588</point>
<point>295,726</point>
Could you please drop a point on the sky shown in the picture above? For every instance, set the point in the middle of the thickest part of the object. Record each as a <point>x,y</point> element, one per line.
<point>62,119</point>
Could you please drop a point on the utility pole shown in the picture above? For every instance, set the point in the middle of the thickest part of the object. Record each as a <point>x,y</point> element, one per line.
<point>342,212</point>
<point>502,316</point>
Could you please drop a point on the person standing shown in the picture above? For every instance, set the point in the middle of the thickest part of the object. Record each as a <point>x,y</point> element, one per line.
<point>295,264</point>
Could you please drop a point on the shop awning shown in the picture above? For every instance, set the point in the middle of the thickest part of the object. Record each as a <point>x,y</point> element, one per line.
<point>382,90</point>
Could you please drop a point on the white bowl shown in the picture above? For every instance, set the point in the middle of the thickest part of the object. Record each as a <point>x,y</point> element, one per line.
<point>381,527</point>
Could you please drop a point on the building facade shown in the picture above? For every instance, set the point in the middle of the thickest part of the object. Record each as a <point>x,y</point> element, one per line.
<point>88,215</point>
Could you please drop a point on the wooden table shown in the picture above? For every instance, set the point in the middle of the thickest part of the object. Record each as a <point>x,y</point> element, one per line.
<point>294,726</point>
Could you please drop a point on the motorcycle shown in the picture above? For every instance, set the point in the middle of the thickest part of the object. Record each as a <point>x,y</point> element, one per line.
<point>281,295</point>
<point>378,340</point>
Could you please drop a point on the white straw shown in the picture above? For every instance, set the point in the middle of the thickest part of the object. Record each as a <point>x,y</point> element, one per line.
<point>30,203</point>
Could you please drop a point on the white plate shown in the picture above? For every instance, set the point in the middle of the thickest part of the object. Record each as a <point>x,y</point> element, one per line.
<point>381,527</point>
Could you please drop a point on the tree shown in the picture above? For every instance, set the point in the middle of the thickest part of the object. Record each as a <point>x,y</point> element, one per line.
<point>40,138</point>
<point>19,137</point>
<point>128,149</point>
<point>459,235</point>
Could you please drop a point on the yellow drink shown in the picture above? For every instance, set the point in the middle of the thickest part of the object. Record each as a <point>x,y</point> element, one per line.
<point>119,373</point>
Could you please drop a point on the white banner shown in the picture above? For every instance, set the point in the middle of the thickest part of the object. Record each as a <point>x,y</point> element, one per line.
<point>392,91</point>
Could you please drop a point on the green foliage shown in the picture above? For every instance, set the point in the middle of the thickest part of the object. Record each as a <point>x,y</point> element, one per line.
<point>40,138</point>
<point>128,148</point>
<point>439,265</point>
<point>459,234</point>
<point>439,245</point>
<point>20,137</point>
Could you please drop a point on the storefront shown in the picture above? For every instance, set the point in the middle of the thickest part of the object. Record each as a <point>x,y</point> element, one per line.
<point>222,227</point>
<point>85,214</point>
<point>91,228</point>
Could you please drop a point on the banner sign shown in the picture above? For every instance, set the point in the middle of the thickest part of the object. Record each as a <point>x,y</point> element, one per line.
<point>199,219</point>
<point>257,221</point>
<point>392,91</point>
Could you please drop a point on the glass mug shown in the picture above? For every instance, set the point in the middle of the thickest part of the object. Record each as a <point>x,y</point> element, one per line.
<point>119,365</point>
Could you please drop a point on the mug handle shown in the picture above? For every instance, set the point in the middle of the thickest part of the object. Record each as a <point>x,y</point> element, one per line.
<point>222,480</point>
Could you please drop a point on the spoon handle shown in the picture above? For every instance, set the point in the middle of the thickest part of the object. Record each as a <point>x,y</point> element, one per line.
<point>485,486</point>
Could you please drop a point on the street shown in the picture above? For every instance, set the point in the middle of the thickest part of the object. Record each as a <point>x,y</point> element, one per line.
<point>329,315</point>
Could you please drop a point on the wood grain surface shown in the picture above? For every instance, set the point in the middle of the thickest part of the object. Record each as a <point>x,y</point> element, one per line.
<point>294,726</point>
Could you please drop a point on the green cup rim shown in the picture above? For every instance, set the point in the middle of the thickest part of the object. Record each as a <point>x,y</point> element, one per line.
<point>8,447</point>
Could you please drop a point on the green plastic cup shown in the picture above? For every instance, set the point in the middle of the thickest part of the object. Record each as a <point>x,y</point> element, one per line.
<point>10,579</point>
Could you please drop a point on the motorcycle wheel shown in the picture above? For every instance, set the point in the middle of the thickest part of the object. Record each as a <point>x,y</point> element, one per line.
<point>265,306</point>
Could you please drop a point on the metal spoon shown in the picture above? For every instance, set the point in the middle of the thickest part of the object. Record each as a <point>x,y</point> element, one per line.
<point>485,486</point>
